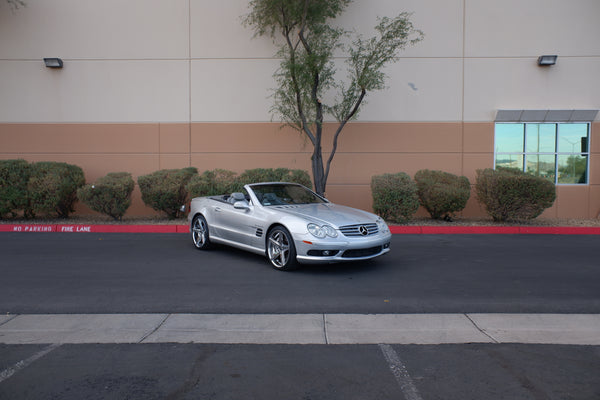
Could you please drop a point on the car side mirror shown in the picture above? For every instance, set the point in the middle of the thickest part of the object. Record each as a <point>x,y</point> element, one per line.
<point>241,205</point>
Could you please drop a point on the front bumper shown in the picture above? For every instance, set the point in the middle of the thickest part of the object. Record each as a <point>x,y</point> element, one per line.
<point>320,251</point>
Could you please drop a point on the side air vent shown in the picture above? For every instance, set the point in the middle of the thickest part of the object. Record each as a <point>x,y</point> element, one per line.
<point>259,232</point>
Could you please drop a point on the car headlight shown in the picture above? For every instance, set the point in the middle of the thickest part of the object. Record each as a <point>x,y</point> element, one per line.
<point>321,231</point>
<point>329,231</point>
<point>383,228</point>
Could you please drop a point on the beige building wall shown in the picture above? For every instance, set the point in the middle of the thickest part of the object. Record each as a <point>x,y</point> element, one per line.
<point>149,84</point>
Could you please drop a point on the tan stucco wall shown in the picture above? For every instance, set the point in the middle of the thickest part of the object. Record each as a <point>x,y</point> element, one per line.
<point>193,61</point>
<point>365,149</point>
<point>149,84</point>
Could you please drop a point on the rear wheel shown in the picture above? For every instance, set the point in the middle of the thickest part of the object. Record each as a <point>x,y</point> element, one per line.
<point>200,232</point>
<point>281,250</point>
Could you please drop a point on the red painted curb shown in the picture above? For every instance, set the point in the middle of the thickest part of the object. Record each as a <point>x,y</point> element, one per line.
<point>94,228</point>
<point>496,230</point>
<point>411,230</point>
<point>395,229</point>
<point>470,229</point>
<point>565,230</point>
<point>27,228</point>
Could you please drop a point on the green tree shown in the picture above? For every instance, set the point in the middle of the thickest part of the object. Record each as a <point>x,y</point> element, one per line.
<point>574,171</point>
<point>307,73</point>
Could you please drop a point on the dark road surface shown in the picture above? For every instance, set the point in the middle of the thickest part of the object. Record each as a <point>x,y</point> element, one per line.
<point>163,273</point>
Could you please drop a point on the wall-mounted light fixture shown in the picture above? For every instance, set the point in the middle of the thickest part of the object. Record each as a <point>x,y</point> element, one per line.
<point>53,62</point>
<point>544,61</point>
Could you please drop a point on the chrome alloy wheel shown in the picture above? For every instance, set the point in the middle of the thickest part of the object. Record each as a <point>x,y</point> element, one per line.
<point>200,232</point>
<point>280,249</point>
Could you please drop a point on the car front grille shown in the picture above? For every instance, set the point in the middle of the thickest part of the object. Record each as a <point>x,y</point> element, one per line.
<point>359,230</point>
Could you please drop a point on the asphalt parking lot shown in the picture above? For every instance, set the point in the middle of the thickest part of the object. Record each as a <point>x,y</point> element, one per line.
<point>218,371</point>
<point>60,295</point>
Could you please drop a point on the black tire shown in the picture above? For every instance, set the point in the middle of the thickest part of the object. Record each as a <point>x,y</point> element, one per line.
<point>281,251</point>
<point>200,234</point>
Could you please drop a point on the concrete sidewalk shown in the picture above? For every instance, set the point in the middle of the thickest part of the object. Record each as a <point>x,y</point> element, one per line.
<point>576,329</point>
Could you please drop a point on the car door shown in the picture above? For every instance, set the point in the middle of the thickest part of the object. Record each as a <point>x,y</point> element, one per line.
<point>242,226</point>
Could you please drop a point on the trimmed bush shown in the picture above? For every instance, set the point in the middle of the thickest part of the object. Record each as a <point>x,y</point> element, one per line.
<point>53,187</point>
<point>511,194</point>
<point>220,181</point>
<point>212,183</point>
<point>442,194</point>
<point>394,196</point>
<point>275,175</point>
<point>165,190</point>
<point>110,195</point>
<point>14,175</point>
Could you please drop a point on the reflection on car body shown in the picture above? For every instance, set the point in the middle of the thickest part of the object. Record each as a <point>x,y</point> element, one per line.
<point>288,223</point>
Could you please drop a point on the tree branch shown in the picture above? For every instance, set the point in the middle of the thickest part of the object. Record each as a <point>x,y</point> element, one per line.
<point>296,87</point>
<point>341,126</point>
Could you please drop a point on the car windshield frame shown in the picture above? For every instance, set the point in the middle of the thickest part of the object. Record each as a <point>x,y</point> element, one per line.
<point>285,194</point>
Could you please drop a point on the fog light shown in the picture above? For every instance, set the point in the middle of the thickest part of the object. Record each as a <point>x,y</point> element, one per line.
<point>322,253</point>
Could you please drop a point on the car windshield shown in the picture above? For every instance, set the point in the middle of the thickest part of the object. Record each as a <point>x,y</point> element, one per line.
<point>285,194</point>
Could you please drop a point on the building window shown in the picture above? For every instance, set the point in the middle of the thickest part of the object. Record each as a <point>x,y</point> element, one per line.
<point>558,152</point>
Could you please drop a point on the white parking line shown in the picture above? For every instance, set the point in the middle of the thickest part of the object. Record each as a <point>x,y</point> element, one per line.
<point>7,373</point>
<point>399,370</point>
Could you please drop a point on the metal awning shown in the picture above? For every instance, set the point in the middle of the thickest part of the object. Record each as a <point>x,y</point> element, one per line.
<point>546,115</point>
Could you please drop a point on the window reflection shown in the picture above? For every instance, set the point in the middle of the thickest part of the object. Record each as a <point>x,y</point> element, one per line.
<point>509,161</point>
<point>509,138</point>
<point>572,138</point>
<point>572,168</point>
<point>555,151</point>
<point>541,138</point>
<point>542,165</point>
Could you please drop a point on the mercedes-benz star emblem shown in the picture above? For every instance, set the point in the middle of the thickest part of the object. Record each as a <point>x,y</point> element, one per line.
<point>363,230</point>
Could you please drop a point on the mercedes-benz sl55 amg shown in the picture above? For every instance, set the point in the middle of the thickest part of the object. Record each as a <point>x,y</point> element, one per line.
<point>288,223</point>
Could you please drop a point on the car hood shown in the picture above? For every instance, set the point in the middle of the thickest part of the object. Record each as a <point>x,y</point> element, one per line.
<point>328,213</point>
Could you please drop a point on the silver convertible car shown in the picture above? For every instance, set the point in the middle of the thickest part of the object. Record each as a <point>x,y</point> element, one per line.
<point>288,223</point>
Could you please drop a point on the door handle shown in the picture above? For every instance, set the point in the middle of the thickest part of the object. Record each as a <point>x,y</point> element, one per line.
<point>218,209</point>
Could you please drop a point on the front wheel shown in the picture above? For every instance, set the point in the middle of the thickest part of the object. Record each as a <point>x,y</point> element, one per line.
<point>281,250</point>
<point>200,232</point>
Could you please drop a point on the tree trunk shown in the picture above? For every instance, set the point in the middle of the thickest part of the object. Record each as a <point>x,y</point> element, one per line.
<point>317,158</point>
<point>318,170</point>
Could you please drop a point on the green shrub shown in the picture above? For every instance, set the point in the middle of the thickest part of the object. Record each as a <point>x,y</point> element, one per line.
<point>110,195</point>
<point>165,190</point>
<point>212,183</point>
<point>275,175</point>
<point>441,193</point>
<point>53,187</point>
<point>220,181</point>
<point>511,194</point>
<point>14,175</point>
<point>394,196</point>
